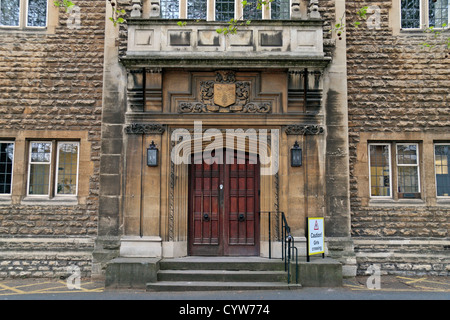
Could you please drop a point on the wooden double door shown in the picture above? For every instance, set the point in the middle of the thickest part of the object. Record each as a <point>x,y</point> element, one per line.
<point>224,205</point>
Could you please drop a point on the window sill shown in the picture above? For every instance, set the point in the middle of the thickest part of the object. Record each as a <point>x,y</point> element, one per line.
<point>396,203</point>
<point>56,201</point>
<point>443,202</point>
<point>5,200</point>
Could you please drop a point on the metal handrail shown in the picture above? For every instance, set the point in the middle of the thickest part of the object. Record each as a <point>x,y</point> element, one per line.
<point>287,244</point>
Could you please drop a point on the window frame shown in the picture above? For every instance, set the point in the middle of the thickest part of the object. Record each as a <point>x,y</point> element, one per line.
<point>53,169</point>
<point>434,165</point>
<point>28,194</point>
<point>23,18</point>
<point>266,12</point>
<point>58,144</point>
<point>394,172</point>
<point>424,15</point>
<point>390,170</point>
<point>12,166</point>
<point>401,194</point>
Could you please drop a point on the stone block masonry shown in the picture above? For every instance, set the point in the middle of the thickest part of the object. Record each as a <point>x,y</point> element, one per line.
<point>397,92</point>
<point>51,90</point>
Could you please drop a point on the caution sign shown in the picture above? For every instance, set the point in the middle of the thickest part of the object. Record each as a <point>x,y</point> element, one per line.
<point>315,236</point>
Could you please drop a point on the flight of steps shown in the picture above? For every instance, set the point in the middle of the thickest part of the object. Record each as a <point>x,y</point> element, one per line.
<point>221,273</point>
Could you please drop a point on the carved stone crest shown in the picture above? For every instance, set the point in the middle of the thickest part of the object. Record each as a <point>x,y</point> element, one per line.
<point>225,95</point>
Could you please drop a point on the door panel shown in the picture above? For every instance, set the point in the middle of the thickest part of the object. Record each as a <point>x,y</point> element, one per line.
<point>224,201</point>
<point>204,226</point>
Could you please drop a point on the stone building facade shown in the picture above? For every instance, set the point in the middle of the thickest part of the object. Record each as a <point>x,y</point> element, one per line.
<point>398,100</point>
<point>84,102</point>
<point>50,135</point>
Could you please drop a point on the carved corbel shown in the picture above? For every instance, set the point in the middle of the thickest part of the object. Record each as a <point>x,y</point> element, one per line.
<point>313,9</point>
<point>295,9</point>
<point>155,9</point>
<point>136,12</point>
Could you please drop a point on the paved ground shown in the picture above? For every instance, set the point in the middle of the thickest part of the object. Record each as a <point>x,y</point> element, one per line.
<point>61,289</point>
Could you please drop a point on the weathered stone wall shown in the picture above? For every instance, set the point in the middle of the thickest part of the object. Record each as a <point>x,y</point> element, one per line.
<point>51,88</point>
<point>397,92</point>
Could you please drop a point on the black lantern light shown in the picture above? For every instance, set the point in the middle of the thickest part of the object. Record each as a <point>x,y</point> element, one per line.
<point>152,155</point>
<point>296,155</point>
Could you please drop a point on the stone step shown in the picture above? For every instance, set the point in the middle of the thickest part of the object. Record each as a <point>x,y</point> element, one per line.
<point>218,286</point>
<point>222,275</point>
<point>222,263</point>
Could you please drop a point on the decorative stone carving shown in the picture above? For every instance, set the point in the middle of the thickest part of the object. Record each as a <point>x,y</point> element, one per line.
<point>225,95</point>
<point>313,9</point>
<point>295,10</point>
<point>155,9</point>
<point>145,128</point>
<point>136,12</point>
<point>304,130</point>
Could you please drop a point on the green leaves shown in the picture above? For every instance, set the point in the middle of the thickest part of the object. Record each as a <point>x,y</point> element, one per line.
<point>116,12</point>
<point>64,4</point>
<point>437,39</point>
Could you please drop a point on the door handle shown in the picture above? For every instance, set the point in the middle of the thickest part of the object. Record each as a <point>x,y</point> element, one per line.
<point>241,217</point>
<point>206,217</point>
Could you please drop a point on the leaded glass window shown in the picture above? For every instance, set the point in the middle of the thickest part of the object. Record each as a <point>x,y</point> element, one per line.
<point>280,9</point>
<point>251,11</point>
<point>197,9</point>
<point>442,169</point>
<point>438,13</point>
<point>6,166</point>
<point>410,14</point>
<point>37,13</point>
<point>380,170</point>
<point>170,9</point>
<point>10,13</point>
<point>23,13</point>
<point>224,10</point>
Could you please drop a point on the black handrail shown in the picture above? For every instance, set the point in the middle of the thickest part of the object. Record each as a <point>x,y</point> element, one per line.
<point>287,244</point>
<point>289,241</point>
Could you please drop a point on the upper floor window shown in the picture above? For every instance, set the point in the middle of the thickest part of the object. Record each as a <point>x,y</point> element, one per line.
<point>416,14</point>
<point>223,10</point>
<point>23,13</point>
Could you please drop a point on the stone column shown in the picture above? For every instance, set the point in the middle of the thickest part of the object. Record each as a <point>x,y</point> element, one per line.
<point>114,103</point>
<point>337,181</point>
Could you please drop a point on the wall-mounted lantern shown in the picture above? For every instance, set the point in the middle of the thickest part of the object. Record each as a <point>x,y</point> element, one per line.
<point>296,155</point>
<point>152,155</point>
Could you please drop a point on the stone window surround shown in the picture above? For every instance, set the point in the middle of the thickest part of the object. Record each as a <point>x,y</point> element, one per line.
<point>53,167</point>
<point>52,21</point>
<point>426,142</point>
<point>20,168</point>
<point>395,18</point>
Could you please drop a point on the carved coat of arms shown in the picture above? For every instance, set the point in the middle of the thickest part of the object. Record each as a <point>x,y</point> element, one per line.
<point>225,94</point>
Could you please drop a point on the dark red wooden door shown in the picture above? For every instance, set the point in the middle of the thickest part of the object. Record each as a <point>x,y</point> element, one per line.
<point>223,207</point>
